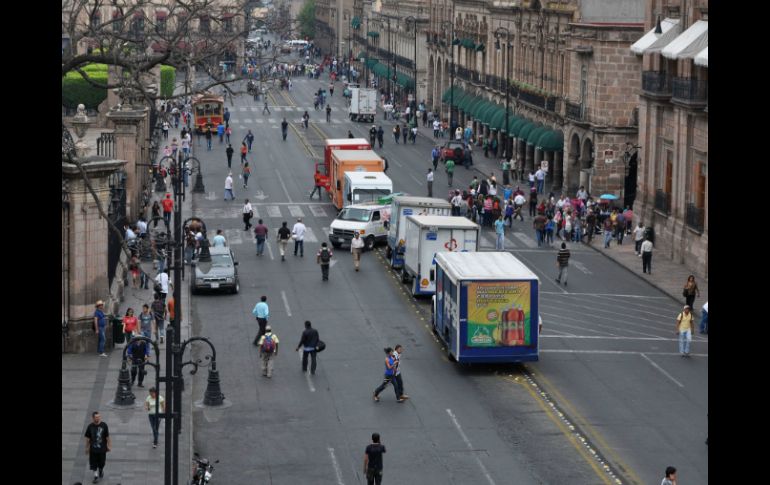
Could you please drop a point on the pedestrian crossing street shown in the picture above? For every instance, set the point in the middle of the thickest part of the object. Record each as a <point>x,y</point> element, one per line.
<point>293,114</point>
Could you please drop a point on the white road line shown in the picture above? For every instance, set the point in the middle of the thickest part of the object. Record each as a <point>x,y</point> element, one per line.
<point>607,294</point>
<point>336,467</point>
<point>288,203</point>
<point>612,352</point>
<point>662,371</point>
<point>528,241</point>
<point>604,337</point>
<point>247,120</point>
<point>470,447</point>
<point>310,236</point>
<point>269,251</point>
<point>318,211</point>
<point>581,267</point>
<point>260,121</point>
<point>283,185</point>
<point>296,211</point>
<point>233,237</point>
<point>273,211</point>
<point>286,302</point>
<point>415,179</point>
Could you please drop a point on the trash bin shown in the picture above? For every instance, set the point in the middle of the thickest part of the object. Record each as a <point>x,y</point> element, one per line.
<point>118,337</point>
<point>649,233</point>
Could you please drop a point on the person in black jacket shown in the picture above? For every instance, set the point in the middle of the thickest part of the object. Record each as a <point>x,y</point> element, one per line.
<point>308,342</point>
<point>138,352</point>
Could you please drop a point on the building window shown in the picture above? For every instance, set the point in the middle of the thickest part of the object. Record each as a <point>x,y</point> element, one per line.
<point>227,25</point>
<point>205,25</point>
<point>137,27</point>
<point>96,20</point>
<point>160,25</point>
<point>117,24</point>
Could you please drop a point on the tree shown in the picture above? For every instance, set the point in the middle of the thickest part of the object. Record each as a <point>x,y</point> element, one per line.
<point>306,20</point>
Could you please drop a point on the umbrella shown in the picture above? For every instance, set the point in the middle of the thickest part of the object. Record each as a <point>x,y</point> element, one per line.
<point>608,197</point>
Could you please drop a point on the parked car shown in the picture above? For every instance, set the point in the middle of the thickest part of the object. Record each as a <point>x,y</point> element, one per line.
<point>220,274</point>
<point>449,150</point>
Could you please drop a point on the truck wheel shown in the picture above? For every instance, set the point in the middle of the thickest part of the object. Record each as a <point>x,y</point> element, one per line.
<point>337,245</point>
<point>404,275</point>
<point>352,117</point>
<point>237,288</point>
<point>369,243</point>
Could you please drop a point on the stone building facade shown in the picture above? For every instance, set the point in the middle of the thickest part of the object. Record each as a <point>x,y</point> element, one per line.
<point>673,132</point>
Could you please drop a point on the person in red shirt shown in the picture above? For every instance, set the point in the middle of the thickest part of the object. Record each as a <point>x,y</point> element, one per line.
<point>129,324</point>
<point>168,207</point>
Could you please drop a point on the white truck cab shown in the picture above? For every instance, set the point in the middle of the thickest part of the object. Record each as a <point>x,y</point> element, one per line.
<point>369,220</point>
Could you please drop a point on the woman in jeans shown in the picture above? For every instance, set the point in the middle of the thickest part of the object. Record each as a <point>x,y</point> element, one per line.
<point>129,324</point>
<point>154,404</point>
<point>690,291</point>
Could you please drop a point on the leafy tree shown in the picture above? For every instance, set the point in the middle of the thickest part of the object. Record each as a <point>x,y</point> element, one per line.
<point>306,20</point>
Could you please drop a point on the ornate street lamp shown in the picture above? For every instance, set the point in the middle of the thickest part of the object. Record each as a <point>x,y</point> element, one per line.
<point>507,150</point>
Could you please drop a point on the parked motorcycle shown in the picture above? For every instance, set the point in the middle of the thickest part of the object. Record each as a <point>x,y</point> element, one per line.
<point>203,469</point>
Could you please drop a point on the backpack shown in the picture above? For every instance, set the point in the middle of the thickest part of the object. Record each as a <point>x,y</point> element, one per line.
<point>268,345</point>
<point>325,256</point>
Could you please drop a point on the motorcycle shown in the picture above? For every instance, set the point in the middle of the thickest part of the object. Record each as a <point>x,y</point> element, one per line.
<point>203,469</point>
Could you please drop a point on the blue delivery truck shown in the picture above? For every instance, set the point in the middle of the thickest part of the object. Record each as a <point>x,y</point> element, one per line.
<point>486,307</point>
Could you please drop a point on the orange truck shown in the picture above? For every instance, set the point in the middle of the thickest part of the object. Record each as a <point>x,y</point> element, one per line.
<point>322,173</point>
<point>350,161</point>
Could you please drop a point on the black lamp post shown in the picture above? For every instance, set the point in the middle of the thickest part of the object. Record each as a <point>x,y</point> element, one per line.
<point>507,83</point>
<point>350,21</point>
<point>414,71</point>
<point>198,188</point>
<point>451,26</point>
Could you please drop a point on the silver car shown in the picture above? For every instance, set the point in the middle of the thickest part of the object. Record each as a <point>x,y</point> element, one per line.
<point>221,273</point>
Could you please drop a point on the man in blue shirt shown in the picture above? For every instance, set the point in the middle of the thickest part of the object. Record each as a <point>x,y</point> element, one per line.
<point>219,239</point>
<point>262,312</point>
<point>221,132</point>
<point>500,230</point>
<point>100,325</point>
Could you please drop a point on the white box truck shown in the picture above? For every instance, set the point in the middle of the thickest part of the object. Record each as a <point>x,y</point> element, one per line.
<point>361,187</point>
<point>403,207</point>
<point>363,104</point>
<point>428,235</point>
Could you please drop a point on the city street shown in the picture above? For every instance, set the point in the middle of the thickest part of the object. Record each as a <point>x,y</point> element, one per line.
<point>610,387</point>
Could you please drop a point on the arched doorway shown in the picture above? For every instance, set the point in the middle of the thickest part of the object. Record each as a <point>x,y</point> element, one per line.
<point>431,87</point>
<point>587,165</point>
<point>573,166</point>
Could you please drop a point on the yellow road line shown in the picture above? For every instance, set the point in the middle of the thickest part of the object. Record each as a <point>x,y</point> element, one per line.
<point>589,430</point>
<point>571,436</point>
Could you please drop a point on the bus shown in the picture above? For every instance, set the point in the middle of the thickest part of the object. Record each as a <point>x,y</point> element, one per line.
<point>208,110</point>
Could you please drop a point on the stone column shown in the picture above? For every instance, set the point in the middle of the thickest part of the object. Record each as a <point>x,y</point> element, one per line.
<point>87,249</point>
<point>557,163</point>
<point>129,139</point>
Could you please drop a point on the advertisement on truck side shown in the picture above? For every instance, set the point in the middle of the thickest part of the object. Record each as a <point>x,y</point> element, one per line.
<point>499,314</point>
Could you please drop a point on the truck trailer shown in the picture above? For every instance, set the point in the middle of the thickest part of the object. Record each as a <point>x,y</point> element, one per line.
<point>363,104</point>
<point>404,206</point>
<point>486,307</point>
<point>426,236</point>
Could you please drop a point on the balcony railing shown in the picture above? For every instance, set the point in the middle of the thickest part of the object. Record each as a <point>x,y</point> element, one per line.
<point>663,201</point>
<point>694,217</point>
<point>656,83</point>
<point>690,90</point>
<point>534,99</point>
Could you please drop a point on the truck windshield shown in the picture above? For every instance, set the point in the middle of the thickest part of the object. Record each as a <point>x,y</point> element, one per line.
<point>351,214</point>
<point>369,195</point>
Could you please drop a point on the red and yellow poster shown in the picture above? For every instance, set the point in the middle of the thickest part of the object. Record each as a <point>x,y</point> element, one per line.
<point>499,314</point>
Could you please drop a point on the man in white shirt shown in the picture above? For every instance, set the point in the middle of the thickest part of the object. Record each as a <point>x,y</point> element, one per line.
<point>429,178</point>
<point>436,128</point>
<point>647,256</point>
<point>531,179</point>
<point>141,226</point>
<point>229,186</point>
<point>130,235</point>
<point>560,202</point>
<point>540,176</point>
<point>638,238</point>
<point>219,240</point>
<point>298,234</point>
<point>248,213</point>
<point>457,202</point>
<point>518,202</point>
<point>162,279</point>
<point>582,194</point>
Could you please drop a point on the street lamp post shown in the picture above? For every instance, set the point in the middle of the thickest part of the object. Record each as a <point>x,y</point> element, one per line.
<point>508,146</point>
<point>414,70</point>
<point>366,49</point>
<point>350,21</point>
<point>451,26</point>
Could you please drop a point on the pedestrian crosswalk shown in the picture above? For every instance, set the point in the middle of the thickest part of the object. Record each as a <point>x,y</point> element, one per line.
<point>238,237</point>
<point>285,211</point>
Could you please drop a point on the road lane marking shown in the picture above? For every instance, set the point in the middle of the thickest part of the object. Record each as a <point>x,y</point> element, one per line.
<point>310,236</point>
<point>606,294</point>
<point>612,352</point>
<point>528,241</point>
<point>470,447</point>
<point>318,211</point>
<point>661,370</point>
<point>233,237</point>
<point>283,185</point>
<point>415,179</point>
<point>296,211</point>
<point>269,251</point>
<point>274,211</point>
<point>581,267</point>
<point>336,467</point>
<point>286,302</point>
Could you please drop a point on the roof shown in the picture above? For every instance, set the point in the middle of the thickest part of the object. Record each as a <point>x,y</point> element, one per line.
<point>346,141</point>
<point>420,201</point>
<point>356,155</point>
<point>702,59</point>
<point>689,43</point>
<point>650,39</point>
<point>444,221</point>
<point>369,176</point>
<point>490,265</point>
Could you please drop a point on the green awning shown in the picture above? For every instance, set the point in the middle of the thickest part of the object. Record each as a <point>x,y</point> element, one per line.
<point>527,129</point>
<point>480,47</point>
<point>356,22</point>
<point>362,54</point>
<point>468,43</point>
<point>404,80</point>
<point>467,102</point>
<point>460,95</point>
<point>512,119</point>
<point>381,69</point>
<point>551,141</point>
<point>373,33</point>
<point>479,108</point>
<point>498,119</point>
<point>445,96</point>
<point>516,127</point>
<point>490,110</point>
<point>456,41</point>
<point>473,107</point>
<point>535,134</point>
<point>370,63</point>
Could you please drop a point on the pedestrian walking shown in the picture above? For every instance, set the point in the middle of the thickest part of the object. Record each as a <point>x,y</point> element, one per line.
<point>159,317</point>
<point>228,132</point>
<point>146,319</point>
<point>414,135</point>
<point>268,351</point>
<point>305,119</point>
<point>670,478</point>
<point>538,223</point>
<point>356,248</point>
<point>385,160</point>
<point>704,319</point>
<point>155,211</point>
<point>397,133</point>
<point>226,116</point>
<point>323,258</point>
<point>540,177</point>
<point>209,135</point>
<point>165,129</point>
<point>100,327</point>
<point>155,405</point>
<point>328,113</point>
<point>380,135</point>
<point>262,312</point>
<point>309,343</point>
<point>405,132</point>
<point>298,234</point>
<point>246,172</point>
<point>229,186</point>
<point>429,179</point>
<point>249,139</point>
<point>435,154</point>
<point>98,443</point>
<point>373,461</point>
<point>562,262</point>
<point>248,213</point>
<point>398,383</point>
<point>436,128</point>
<point>390,370</point>
<point>500,232</point>
<point>265,107</point>
<point>260,232</point>
<point>221,132</point>
<point>607,232</point>
<point>168,208</point>
<point>639,238</point>
<point>690,291</point>
<point>138,352</point>
<point>229,152</point>
<point>647,256</point>
<point>685,328</point>
<point>130,323</point>
<point>449,166</point>
<point>284,234</point>
<point>284,128</point>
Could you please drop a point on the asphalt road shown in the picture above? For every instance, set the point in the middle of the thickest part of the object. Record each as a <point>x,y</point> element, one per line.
<point>609,373</point>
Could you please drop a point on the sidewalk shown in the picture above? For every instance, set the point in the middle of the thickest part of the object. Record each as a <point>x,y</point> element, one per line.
<point>89,383</point>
